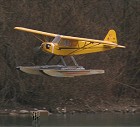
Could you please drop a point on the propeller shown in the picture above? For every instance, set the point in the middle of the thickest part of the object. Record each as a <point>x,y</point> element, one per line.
<point>37,49</point>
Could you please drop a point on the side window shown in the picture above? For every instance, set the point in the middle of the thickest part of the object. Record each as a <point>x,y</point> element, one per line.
<point>64,43</point>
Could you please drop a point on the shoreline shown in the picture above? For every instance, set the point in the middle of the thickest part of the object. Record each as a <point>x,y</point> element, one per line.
<point>67,110</point>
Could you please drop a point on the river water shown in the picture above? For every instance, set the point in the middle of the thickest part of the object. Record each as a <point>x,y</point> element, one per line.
<point>72,120</point>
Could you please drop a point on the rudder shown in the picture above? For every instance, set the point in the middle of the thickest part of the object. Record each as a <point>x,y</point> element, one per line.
<point>111,36</point>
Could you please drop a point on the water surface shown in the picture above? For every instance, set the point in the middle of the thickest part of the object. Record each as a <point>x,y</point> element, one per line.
<point>97,119</point>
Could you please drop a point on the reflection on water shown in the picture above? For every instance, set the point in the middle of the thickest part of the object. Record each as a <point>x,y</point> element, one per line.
<point>98,119</point>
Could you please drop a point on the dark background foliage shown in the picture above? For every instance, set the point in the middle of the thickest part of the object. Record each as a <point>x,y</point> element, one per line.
<point>83,18</point>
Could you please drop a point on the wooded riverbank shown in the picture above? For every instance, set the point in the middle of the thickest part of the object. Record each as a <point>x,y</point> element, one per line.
<point>120,85</point>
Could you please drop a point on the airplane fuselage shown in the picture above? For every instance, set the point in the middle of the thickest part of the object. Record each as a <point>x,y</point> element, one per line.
<point>77,48</point>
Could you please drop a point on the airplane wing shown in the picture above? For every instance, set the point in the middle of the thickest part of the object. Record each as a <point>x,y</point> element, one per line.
<point>69,37</point>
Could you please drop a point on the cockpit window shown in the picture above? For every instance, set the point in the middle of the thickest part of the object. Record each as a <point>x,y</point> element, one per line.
<point>64,43</point>
<point>68,43</point>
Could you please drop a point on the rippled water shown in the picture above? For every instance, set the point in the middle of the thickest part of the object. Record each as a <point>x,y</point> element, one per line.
<point>75,120</point>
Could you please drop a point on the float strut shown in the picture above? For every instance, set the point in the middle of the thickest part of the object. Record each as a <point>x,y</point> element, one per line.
<point>74,61</point>
<point>63,61</point>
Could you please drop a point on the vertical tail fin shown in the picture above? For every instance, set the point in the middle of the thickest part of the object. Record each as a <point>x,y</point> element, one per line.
<point>111,36</point>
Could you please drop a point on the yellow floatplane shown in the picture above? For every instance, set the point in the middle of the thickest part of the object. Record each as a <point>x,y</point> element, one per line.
<point>62,46</point>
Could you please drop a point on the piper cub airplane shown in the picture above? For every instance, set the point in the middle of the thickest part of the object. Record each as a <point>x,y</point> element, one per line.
<point>62,46</point>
